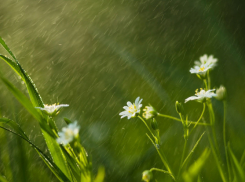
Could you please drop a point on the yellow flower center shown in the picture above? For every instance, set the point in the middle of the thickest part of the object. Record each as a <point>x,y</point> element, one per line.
<point>201,91</point>
<point>132,109</point>
<point>201,68</point>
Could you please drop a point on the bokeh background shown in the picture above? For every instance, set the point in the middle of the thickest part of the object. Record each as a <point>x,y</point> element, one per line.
<point>97,55</point>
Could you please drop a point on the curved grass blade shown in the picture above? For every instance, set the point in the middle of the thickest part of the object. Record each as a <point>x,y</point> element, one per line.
<point>33,92</point>
<point>15,126</point>
<point>22,99</point>
<point>237,165</point>
<point>36,100</point>
<point>6,47</point>
<point>195,168</point>
<point>58,173</point>
<point>191,152</point>
<point>101,175</point>
<point>12,64</point>
<point>2,179</point>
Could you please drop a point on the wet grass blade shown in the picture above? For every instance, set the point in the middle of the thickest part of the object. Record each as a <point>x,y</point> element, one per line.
<point>101,175</point>
<point>191,152</point>
<point>195,168</point>
<point>36,100</point>
<point>55,169</point>
<point>22,99</point>
<point>2,179</point>
<point>237,165</point>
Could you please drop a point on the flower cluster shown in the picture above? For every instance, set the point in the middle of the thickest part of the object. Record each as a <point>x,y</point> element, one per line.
<point>149,112</point>
<point>206,63</point>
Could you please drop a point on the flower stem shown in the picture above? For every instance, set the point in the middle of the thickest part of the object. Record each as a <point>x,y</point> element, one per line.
<point>146,126</point>
<point>165,163</point>
<point>204,106</point>
<point>182,158</point>
<point>220,168</point>
<point>224,138</point>
<point>177,119</point>
<point>209,80</point>
<point>160,170</point>
<point>205,83</point>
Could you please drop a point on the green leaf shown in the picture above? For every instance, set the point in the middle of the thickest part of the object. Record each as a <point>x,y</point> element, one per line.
<point>15,126</point>
<point>20,133</point>
<point>12,64</point>
<point>101,175</point>
<point>6,47</point>
<point>195,168</point>
<point>22,99</point>
<point>32,90</point>
<point>3,179</point>
<point>237,165</point>
<point>54,148</point>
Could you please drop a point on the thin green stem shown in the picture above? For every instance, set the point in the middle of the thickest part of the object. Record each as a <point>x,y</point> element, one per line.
<point>203,110</point>
<point>221,170</point>
<point>212,121</point>
<point>182,158</point>
<point>165,163</point>
<point>177,119</point>
<point>209,80</point>
<point>224,138</point>
<point>205,83</point>
<point>160,170</point>
<point>147,126</point>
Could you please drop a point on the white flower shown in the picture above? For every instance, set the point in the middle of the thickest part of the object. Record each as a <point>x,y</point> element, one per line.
<point>131,109</point>
<point>52,109</point>
<point>202,95</point>
<point>68,133</point>
<point>202,69</point>
<point>209,60</point>
<point>150,112</point>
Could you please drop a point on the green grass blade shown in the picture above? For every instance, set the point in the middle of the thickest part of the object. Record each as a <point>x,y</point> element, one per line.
<point>15,126</point>
<point>6,47</point>
<point>22,99</point>
<point>195,168</point>
<point>36,100</point>
<point>101,175</point>
<point>59,174</point>
<point>12,64</point>
<point>237,165</point>
<point>242,161</point>
<point>191,152</point>
<point>3,179</point>
<point>33,92</point>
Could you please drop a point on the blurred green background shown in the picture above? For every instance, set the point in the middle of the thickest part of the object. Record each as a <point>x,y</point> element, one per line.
<point>97,55</point>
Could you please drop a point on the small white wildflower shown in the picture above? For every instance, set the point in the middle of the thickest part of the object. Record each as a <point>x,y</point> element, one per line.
<point>132,109</point>
<point>202,95</point>
<point>68,133</point>
<point>150,112</point>
<point>209,60</point>
<point>202,69</point>
<point>52,109</point>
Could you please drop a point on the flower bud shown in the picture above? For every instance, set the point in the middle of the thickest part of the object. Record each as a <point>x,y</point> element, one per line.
<point>154,124</point>
<point>179,108</point>
<point>147,176</point>
<point>221,93</point>
<point>149,112</point>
